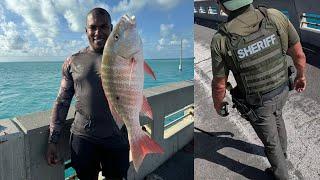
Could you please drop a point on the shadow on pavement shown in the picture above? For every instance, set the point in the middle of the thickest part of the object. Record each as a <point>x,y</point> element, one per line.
<point>179,166</point>
<point>207,145</point>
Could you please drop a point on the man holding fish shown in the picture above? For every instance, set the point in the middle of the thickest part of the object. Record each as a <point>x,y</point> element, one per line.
<point>107,82</point>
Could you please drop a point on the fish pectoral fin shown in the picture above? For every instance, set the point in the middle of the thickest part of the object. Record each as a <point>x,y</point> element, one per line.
<point>116,116</point>
<point>148,70</point>
<point>133,62</point>
<point>146,108</point>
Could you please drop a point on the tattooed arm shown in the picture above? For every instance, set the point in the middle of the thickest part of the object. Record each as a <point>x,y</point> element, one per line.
<point>62,103</point>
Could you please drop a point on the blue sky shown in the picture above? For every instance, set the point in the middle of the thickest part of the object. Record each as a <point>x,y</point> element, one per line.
<point>51,30</point>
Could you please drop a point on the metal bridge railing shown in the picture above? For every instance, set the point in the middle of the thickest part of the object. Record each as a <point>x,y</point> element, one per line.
<point>304,21</point>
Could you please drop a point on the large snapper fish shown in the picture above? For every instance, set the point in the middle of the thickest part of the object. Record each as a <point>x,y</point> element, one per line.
<point>122,74</point>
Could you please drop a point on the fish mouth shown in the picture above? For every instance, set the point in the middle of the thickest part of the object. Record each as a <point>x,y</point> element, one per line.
<point>131,20</point>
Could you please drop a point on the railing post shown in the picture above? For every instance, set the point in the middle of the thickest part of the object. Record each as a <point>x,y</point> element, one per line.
<point>157,125</point>
<point>35,129</point>
<point>12,152</point>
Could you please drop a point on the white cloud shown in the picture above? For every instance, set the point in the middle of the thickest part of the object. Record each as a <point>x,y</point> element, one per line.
<point>42,29</point>
<point>75,12</point>
<point>71,44</point>
<point>64,48</point>
<point>39,16</point>
<point>74,21</point>
<point>41,26</point>
<point>167,4</point>
<point>162,41</point>
<point>161,44</point>
<point>175,40</point>
<point>159,48</point>
<point>115,20</point>
<point>130,6</point>
<point>10,39</point>
<point>165,29</point>
<point>2,17</point>
<point>168,39</point>
<point>185,42</point>
<point>165,32</point>
<point>143,40</point>
<point>133,6</point>
<point>84,37</point>
<point>104,6</point>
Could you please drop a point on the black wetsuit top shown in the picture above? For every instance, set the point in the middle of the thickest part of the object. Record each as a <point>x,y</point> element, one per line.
<point>81,77</point>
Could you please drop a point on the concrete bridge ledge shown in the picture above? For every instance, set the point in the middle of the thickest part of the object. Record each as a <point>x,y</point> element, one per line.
<point>23,140</point>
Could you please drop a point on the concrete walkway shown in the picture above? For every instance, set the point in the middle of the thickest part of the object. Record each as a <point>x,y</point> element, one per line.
<point>179,166</point>
<point>228,148</point>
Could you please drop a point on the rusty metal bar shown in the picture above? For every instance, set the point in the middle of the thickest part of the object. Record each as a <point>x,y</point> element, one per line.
<point>312,17</point>
<point>310,23</point>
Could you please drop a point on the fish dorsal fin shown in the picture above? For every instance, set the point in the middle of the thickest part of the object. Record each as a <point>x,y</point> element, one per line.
<point>145,108</point>
<point>148,70</point>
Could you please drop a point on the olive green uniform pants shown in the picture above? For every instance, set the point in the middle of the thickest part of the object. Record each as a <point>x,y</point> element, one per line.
<point>271,130</point>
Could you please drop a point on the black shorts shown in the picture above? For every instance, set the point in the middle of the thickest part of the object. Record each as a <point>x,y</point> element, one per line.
<point>111,156</point>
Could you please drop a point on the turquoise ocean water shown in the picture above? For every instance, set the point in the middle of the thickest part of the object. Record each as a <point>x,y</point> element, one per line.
<point>27,87</point>
<point>313,18</point>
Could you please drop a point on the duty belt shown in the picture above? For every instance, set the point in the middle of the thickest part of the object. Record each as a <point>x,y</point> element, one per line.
<point>273,93</point>
<point>256,99</point>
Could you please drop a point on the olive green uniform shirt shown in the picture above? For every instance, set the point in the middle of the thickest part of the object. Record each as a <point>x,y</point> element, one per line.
<point>243,25</point>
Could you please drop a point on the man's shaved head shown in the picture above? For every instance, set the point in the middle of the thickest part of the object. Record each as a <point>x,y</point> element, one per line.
<point>99,12</point>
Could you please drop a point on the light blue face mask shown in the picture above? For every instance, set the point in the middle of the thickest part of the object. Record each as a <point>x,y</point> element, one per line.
<point>235,4</point>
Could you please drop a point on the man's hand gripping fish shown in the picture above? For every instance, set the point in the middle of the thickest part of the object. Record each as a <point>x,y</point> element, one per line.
<point>122,74</point>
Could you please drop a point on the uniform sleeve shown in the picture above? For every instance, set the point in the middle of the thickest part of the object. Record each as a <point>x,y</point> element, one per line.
<point>62,103</point>
<point>288,33</point>
<point>219,68</point>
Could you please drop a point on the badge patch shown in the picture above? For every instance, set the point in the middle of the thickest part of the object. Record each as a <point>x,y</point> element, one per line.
<point>257,47</point>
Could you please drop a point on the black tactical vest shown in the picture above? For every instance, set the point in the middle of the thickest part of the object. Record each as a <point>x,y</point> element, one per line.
<point>258,60</point>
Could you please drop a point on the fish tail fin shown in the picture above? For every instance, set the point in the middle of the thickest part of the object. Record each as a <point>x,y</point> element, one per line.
<point>143,146</point>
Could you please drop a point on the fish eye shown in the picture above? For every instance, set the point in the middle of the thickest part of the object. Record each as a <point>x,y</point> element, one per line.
<point>116,37</point>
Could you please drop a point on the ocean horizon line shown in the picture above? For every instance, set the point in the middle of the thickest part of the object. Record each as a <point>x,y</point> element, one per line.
<point>53,61</point>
